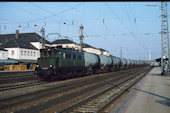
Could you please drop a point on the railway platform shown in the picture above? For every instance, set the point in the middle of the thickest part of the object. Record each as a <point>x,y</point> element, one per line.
<point>150,95</point>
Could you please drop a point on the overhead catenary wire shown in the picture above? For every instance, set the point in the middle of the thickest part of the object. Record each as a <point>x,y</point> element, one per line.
<point>124,25</point>
<point>53,13</point>
<point>130,23</point>
<point>56,14</point>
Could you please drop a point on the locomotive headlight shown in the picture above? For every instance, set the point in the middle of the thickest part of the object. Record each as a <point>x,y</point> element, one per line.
<point>37,65</point>
<point>51,65</point>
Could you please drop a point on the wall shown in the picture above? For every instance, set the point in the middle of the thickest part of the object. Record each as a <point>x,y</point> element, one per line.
<point>36,44</point>
<point>67,46</point>
<point>28,54</point>
<point>91,50</point>
<point>3,54</point>
<point>21,53</point>
<point>106,53</point>
<point>12,53</point>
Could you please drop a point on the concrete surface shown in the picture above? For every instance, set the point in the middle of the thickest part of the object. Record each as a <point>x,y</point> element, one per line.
<point>151,95</point>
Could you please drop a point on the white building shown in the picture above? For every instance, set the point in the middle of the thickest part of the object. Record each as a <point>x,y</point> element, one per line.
<point>32,38</point>
<point>104,52</point>
<point>3,54</point>
<point>65,43</point>
<point>91,49</point>
<point>22,46</point>
<point>21,50</point>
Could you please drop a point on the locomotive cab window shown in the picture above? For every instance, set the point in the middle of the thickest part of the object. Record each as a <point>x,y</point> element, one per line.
<point>74,56</point>
<point>42,54</point>
<point>45,54</point>
<point>79,57</point>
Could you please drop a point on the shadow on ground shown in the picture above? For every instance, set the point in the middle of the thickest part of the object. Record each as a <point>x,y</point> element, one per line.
<point>165,102</point>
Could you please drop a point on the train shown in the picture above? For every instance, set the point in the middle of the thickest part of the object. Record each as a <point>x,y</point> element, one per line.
<point>64,63</point>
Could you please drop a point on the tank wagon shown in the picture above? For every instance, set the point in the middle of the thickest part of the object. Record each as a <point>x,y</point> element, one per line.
<point>59,63</point>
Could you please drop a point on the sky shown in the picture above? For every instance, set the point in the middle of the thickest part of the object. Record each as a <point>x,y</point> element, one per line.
<point>132,26</point>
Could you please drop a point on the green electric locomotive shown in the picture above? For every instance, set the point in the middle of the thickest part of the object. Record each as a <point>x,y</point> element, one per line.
<point>60,63</point>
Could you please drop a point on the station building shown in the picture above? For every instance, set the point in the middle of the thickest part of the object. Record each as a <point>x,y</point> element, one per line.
<point>65,43</point>
<point>21,50</point>
<point>22,46</point>
<point>3,54</point>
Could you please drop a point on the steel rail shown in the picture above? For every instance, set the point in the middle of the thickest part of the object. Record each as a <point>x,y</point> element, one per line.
<point>98,93</point>
<point>21,85</point>
<point>35,93</point>
<point>121,92</point>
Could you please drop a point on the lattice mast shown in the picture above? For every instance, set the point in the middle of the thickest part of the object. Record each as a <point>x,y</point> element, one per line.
<point>164,39</point>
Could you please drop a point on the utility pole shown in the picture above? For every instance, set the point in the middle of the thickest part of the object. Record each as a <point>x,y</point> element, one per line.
<point>150,55</point>
<point>164,39</point>
<point>81,36</point>
<point>43,37</point>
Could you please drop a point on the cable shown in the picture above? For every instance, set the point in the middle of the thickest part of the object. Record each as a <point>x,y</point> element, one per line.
<point>20,9</point>
<point>55,14</point>
<point>124,25</point>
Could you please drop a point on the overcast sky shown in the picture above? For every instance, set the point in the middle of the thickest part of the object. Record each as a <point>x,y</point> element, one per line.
<point>132,26</point>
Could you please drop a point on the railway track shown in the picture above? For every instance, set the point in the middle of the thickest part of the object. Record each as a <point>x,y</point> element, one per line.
<point>98,101</point>
<point>13,101</point>
<point>13,74</point>
<point>15,77</point>
<point>9,87</point>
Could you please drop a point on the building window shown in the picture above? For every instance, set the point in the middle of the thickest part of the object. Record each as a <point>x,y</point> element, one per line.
<point>4,55</point>
<point>79,57</point>
<point>21,52</point>
<point>37,54</point>
<point>34,53</point>
<point>28,53</point>
<point>25,53</point>
<point>31,53</point>
<point>12,52</point>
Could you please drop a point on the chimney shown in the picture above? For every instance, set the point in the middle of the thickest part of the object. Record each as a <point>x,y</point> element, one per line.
<point>17,34</point>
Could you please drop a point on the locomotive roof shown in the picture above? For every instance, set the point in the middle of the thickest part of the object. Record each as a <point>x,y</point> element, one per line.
<point>18,43</point>
<point>30,37</point>
<point>88,46</point>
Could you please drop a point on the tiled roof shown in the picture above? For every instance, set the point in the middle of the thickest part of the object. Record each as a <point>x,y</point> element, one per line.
<point>88,46</point>
<point>14,43</point>
<point>2,49</point>
<point>101,49</point>
<point>63,41</point>
<point>29,37</point>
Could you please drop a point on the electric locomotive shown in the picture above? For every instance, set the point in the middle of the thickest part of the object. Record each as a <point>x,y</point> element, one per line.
<point>57,63</point>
